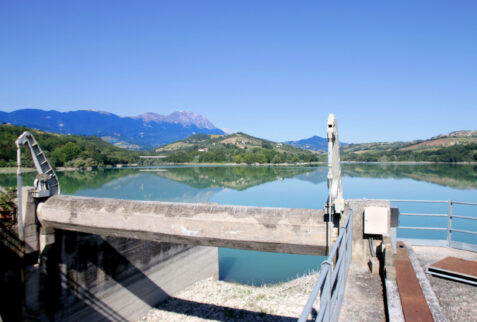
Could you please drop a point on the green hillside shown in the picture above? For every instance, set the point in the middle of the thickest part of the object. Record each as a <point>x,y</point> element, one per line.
<point>460,146</point>
<point>63,150</point>
<point>234,148</point>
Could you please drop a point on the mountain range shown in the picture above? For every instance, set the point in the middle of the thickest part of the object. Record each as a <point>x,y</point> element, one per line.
<point>315,143</point>
<point>139,132</point>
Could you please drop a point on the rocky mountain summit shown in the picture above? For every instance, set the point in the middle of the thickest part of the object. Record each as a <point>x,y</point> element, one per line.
<point>133,132</point>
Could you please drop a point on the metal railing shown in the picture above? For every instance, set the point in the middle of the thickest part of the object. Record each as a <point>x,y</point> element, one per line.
<point>332,279</point>
<point>450,228</point>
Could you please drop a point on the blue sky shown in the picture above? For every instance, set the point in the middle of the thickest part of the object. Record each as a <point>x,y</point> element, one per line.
<point>389,70</point>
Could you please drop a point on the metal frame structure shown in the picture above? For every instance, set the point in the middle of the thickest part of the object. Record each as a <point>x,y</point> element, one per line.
<point>451,275</point>
<point>46,182</point>
<point>333,275</point>
<point>335,197</point>
<point>335,203</point>
<point>448,242</point>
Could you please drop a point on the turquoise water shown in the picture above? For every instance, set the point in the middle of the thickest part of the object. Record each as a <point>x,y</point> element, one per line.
<point>297,187</point>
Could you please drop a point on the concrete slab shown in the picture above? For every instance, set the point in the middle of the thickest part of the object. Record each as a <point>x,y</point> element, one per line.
<point>285,230</point>
<point>363,300</point>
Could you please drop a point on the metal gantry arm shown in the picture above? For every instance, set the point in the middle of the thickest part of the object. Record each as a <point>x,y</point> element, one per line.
<point>46,182</point>
<point>335,203</point>
<point>335,198</point>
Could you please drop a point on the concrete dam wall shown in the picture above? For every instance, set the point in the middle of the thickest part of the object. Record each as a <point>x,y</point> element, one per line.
<point>93,258</point>
<point>89,277</point>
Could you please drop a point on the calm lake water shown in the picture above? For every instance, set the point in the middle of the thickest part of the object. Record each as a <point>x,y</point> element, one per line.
<point>297,187</point>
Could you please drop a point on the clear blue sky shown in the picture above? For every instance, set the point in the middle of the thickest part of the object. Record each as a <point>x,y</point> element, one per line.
<point>389,70</point>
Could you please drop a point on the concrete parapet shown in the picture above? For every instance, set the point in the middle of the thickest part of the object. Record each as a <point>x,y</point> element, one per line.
<point>30,225</point>
<point>301,231</point>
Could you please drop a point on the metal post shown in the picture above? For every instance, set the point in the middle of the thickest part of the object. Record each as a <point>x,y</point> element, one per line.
<point>449,223</point>
<point>326,295</point>
<point>330,194</point>
<point>21,234</point>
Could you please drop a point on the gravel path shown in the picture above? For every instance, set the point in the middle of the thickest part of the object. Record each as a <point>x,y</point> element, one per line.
<point>223,301</point>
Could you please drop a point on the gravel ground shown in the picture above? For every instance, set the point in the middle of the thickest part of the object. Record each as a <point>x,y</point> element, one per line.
<point>223,301</point>
<point>458,300</point>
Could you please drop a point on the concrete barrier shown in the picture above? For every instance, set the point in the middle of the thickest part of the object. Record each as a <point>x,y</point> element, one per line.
<point>301,231</point>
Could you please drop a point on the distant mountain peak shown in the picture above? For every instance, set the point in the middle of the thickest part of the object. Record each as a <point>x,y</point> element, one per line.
<point>144,131</point>
<point>96,111</point>
<point>185,118</point>
<point>315,143</point>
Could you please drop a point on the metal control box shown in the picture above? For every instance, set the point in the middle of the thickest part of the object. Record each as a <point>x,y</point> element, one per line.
<point>376,220</point>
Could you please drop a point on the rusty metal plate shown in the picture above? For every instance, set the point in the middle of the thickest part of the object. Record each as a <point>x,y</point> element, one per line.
<point>413,302</point>
<point>455,268</point>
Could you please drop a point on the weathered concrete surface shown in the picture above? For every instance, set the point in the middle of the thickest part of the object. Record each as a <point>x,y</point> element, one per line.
<point>85,277</point>
<point>301,231</point>
<point>363,300</point>
<point>393,302</point>
<point>457,300</point>
<point>30,225</point>
<point>360,243</point>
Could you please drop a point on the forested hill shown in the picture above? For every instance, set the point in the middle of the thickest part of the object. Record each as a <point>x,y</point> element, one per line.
<point>63,150</point>
<point>459,146</point>
<point>85,151</point>
<point>233,148</point>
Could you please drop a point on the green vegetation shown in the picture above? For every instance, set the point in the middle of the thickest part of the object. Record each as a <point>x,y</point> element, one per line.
<point>239,148</point>
<point>234,148</point>
<point>8,207</point>
<point>459,146</point>
<point>455,153</point>
<point>63,150</point>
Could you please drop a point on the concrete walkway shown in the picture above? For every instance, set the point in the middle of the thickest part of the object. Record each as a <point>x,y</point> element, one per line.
<point>363,299</point>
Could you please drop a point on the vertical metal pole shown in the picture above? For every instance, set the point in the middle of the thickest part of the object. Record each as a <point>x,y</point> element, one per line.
<point>19,195</point>
<point>350,239</point>
<point>327,290</point>
<point>330,178</point>
<point>449,223</point>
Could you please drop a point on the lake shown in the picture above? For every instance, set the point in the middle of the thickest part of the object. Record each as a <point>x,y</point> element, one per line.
<point>295,187</point>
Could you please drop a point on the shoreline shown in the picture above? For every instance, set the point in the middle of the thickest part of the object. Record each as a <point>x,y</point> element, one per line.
<point>10,170</point>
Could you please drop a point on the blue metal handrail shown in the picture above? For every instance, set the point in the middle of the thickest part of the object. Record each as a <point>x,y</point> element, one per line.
<point>332,279</point>
<point>449,241</point>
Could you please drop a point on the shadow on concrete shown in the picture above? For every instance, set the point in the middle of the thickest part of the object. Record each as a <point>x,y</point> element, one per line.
<point>216,312</point>
<point>92,306</point>
<point>76,272</point>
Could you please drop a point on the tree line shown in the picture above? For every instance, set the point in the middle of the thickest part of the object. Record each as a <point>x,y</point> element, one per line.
<point>63,150</point>
<point>451,154</point>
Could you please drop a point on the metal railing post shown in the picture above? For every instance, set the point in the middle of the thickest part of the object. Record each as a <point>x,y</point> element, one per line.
<point>449,223</point>
<point>21,233</point>
<point>326,295</point>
